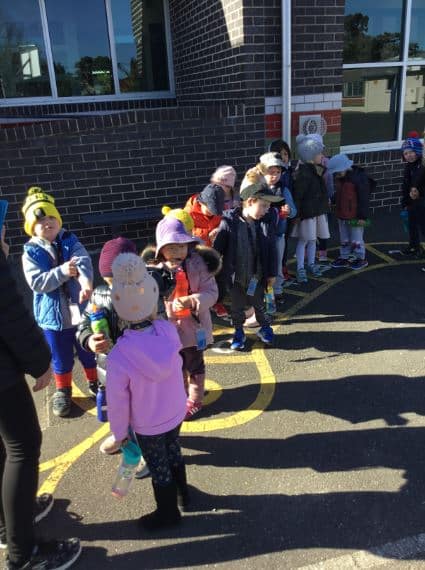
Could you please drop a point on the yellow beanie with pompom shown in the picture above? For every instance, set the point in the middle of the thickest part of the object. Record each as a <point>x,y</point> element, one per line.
<point>38,205</point>
<point>180,214</point>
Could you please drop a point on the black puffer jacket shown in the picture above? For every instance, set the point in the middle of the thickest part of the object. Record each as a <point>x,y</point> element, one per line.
<point>310,193</point>
<point>414,176</point>
<point>23,349</point>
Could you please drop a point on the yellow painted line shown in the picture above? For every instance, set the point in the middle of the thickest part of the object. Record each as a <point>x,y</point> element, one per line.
<point>261,402</point>
<point>380,254</point>
<point>295,292</point>
<point>62,463</point>
<point>234,358</point>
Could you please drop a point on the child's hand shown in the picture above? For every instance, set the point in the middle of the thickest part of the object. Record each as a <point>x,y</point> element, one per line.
<point>284,211</point>
<point>361,222</point>
<point>85,294</point>
<point>98,343</point>
<point>43,381</point>
<point>414,193</point>
<point>213,234</point>
<point>182,303</point>
<point>70,268</point>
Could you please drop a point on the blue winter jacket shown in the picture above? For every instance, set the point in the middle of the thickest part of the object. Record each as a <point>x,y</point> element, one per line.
<point>43,272</point>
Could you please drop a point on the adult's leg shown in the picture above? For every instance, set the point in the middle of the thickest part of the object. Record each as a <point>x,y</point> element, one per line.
<point>19,455</point>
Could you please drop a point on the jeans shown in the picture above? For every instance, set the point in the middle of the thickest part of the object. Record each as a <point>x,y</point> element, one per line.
<point>20,442</point>
<point>352,241</point>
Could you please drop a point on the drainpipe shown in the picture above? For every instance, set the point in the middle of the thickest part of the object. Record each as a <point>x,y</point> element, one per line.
<point>286,70</point>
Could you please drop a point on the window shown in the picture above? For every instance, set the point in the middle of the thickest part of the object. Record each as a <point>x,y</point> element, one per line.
<point>56,50</point>
<point>384,71</point>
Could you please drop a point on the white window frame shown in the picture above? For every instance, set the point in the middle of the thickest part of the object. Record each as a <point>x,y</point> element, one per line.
<point>54,99</point>
<point>403,64</point>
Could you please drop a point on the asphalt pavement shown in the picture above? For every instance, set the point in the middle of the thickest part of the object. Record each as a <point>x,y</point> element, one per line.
<point>308,455</point>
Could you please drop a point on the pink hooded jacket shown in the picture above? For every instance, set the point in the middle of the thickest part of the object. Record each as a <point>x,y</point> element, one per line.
<point>144,381</point>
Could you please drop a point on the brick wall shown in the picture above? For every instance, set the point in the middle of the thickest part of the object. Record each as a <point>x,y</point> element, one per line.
<point>317,43</point>
<point>127,160</point>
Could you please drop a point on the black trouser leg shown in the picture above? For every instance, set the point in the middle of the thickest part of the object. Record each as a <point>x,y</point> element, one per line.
<point>20,441</point>
<point>414,240</point>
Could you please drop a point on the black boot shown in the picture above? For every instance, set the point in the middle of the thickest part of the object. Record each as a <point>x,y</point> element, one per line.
<point>183,496</point>
<point>167,513</point>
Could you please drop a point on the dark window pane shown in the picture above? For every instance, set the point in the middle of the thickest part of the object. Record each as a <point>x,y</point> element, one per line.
<point>369,105</point>
<point>141,47</point>
<point>80,46</point>
<point>372,31</point>
<point>414,101</point>
<point>23,66</point>
<point>417,27</point>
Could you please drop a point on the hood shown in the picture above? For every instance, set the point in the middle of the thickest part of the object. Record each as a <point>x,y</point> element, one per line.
<point>149,351</point>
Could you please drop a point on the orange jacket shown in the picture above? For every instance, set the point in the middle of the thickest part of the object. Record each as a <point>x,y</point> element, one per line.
<point>203,224</point>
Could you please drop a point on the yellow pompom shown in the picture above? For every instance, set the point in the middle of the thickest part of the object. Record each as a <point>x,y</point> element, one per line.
<point>34,190</point>
<point>165,210</point>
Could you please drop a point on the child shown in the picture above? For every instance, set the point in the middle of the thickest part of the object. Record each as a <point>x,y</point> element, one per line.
<point>247,243</point>
<point>144,387</point>
<point>352,210</point>
<point>225,176</point>
<point>176,250</point>
<point>101,297</point>
<point>311,201</point>
<point>413,193</point>
<point>271,167</point>
<point>206,210</point>
<point>59,271</point>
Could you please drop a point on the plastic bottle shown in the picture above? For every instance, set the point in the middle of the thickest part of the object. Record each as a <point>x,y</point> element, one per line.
<point>130,460</point>
<point>181,290</point>
<point>404,215</point>
<point>270,301</point>
<point>102,414</point>
<point>99,322</point>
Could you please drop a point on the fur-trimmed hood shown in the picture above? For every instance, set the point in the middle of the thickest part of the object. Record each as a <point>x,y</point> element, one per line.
<point>209,255</point>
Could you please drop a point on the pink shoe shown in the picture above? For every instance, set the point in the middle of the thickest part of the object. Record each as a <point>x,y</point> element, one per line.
<point>192,408</point>
<point>110,446</point>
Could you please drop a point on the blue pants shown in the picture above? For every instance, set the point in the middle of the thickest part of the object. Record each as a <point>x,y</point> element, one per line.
<point>62,345</point>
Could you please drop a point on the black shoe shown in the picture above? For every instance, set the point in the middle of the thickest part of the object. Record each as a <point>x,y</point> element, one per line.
<point>43,506</point>
<point>93,388</point>
<point>167,513</point>
<point>183,496</point>
<point>53,555</point>
<point>61,405</point>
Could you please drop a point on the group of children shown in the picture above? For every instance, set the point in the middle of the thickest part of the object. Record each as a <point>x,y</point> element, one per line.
<point>158,304</point>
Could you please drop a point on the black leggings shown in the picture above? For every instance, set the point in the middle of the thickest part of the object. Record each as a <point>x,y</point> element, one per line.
<point>20,441</point>
<point>162,453</point>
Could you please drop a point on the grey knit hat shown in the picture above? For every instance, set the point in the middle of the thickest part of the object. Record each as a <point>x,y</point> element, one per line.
<point>308,148</point>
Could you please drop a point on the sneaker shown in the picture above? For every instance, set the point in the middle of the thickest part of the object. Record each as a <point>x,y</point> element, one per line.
<point>288,282</point>
<point>43,506</point>
<point>302,276</point>
<point>142,470</point>
<point>340,263</point>
<point>93,388</point>
<point>220,310</point>
<point>61,404</point>
<point>266,334</point>
<point>359,264</point>
<point>314,270</point>
<point>192,408</point>
<point>3,543</point>
<point>52,555</point>
<point>109,446</point>
<point>238,342</point>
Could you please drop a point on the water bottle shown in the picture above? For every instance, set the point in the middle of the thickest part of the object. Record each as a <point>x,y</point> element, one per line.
<point>404,215</point>
<point>101,407</point>
<point>99,322</point>
<point>270,301</point>
<point>181,290</point>
<point>130,460</point>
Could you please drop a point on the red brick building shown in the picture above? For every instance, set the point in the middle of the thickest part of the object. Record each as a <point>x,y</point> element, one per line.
<point>115,105</point>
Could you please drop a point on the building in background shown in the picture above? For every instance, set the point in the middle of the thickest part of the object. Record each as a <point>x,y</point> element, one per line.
<point>121,104</point>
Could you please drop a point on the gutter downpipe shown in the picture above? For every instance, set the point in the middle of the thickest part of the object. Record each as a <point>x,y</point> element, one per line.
<point>286,70</point>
